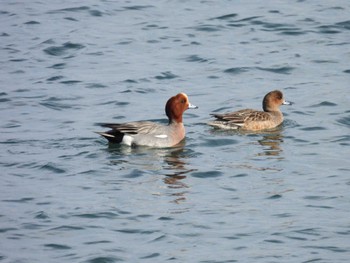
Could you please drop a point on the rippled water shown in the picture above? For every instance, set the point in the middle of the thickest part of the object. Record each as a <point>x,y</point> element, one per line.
<point>220,196</point>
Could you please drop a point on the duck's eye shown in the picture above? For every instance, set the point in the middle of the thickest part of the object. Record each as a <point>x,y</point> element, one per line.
<point>183,101</point>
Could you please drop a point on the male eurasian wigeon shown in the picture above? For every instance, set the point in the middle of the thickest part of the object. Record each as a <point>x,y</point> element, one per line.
<point>254,120</point>
<point>147,133</point>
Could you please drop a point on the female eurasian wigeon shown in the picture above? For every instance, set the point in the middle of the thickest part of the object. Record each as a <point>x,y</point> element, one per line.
<point>253,120</point>
<point>146,133</point>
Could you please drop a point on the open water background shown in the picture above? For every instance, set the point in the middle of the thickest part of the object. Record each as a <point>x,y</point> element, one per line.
<point>65,196</point>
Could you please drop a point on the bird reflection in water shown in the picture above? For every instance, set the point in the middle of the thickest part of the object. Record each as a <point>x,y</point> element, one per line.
<point>167,162</point>
<point>271,149</point>
<point>176,172</point>
<point>271,144</point>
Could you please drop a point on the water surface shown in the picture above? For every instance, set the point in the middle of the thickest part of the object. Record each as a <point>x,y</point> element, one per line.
<point>220,196</point>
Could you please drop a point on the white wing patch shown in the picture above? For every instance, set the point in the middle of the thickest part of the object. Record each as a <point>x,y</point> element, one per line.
<point>127,139</point>
<point>161,136</point>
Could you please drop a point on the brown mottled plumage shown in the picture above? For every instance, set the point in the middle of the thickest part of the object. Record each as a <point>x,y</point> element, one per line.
<point>253,120</point>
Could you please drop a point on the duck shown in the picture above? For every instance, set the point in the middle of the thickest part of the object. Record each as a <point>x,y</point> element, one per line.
<point>152,134</point>
<point>254,120</point>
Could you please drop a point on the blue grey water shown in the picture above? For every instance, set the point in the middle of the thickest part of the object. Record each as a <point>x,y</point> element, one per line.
<point>279,196</point>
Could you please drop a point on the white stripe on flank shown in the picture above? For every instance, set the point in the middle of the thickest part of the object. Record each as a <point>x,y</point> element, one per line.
<point>161,136</point>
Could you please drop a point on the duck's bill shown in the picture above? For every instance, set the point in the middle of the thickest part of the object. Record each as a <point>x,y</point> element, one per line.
<point>287,102</point>
<point>191,106</point>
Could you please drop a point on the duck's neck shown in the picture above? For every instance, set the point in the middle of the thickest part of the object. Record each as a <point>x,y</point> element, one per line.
<point>266,109</point>
<point>175,120</point>
<point>276,113</point>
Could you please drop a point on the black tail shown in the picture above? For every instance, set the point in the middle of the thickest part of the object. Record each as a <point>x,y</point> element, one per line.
<point>112,136</point>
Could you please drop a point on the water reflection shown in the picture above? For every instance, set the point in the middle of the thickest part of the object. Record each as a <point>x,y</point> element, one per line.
<point>170,164</point>
<point>271,148</point>
<point>271,140</point>
<point>272,144</point>
<point>175,173</point>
